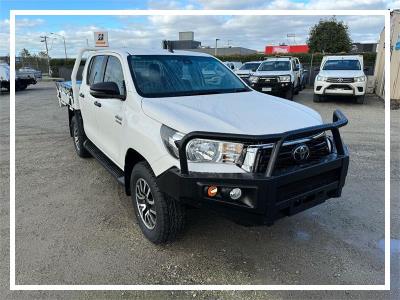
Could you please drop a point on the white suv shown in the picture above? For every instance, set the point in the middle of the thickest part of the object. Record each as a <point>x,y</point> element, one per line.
<point>341,76</point>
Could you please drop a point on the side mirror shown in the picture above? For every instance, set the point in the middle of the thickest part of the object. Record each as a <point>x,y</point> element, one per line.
<point>105,90</point>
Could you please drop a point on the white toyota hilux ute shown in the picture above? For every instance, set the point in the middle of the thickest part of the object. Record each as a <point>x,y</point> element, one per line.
<point>279,76</point>
<point>179,128</point>
<point>341,76</point>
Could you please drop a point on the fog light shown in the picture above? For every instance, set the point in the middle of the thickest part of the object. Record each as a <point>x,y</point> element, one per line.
<point>235,193</point>
<point>212,191</point>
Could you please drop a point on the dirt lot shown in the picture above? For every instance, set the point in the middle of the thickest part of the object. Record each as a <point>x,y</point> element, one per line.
<point>74,224</point>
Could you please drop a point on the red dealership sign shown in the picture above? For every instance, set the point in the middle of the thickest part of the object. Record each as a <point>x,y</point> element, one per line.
<point>286,49</point>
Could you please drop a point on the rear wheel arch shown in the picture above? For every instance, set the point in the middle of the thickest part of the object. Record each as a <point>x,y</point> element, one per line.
<point>71,114</point>
<point>132,157</point>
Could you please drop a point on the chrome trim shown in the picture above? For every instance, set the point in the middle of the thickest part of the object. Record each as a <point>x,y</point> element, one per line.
<point>303,140</point>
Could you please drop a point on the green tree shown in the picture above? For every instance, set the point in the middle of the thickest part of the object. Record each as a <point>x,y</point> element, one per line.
<point>24,53</point>
<point>329,36</point>
<point>42,54</point>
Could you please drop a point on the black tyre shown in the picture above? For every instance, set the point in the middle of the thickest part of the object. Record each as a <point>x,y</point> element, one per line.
<point>78,137</point>
<point>289,94</point>
<point>19,85</point>
<point>297,89</point>
<point>317,98</point>
<point>360,99</point>
<point>160,217</point>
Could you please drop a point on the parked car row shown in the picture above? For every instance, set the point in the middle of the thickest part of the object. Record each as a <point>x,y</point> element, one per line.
<point>285,76</point>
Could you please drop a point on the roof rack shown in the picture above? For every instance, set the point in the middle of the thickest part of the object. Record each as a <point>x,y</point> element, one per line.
<point>278,56</point>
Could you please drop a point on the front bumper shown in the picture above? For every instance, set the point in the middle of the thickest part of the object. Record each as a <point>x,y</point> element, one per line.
<point>349,89</point>
<point>264,199</point>
<point>272,88</point>
<point>267,196</point>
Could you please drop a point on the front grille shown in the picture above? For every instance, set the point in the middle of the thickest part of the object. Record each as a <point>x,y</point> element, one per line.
<point>318,149</point>
<point>268,80</point>
<point>340,80</point>
<point>340,87</point>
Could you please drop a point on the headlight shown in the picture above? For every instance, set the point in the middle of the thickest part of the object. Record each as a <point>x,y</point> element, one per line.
<point>285,78</point>
<point>169,136</point>
<point>253,79</point>
<point>321,78</point>
<point>359,79</point>
<point>202,150</point>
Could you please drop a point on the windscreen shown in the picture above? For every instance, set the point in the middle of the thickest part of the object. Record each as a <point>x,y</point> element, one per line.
<point>182,75</point>
<point>342,64</point>
<point>279,65</point>
<point>250,66</point>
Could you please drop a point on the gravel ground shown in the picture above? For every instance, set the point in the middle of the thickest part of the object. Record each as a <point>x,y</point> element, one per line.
<point>75,225</point>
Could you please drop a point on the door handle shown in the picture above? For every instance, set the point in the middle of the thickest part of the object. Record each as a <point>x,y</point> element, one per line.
<point>118,119</point>
<point>97,103</point>
<point>82,95</point>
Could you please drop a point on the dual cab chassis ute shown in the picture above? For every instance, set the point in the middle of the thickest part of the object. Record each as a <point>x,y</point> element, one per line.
<point>179,128</point>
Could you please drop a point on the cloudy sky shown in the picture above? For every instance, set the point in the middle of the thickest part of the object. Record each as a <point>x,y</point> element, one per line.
<point>147,32</point>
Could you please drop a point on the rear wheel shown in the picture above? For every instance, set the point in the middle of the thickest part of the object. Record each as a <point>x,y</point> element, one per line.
<point>79,138</point>
<point>160,217</point>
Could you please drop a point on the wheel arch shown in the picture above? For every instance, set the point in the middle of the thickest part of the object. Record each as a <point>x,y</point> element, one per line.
<point>132,157</point>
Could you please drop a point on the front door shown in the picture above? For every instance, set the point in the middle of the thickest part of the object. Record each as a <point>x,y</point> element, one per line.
<point>110,115</point>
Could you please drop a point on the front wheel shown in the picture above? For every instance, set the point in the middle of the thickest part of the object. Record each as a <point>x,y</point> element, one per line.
<point>160,217</point>
<point>317,98</point>
<point>360,99</point>
<point>289,94</point>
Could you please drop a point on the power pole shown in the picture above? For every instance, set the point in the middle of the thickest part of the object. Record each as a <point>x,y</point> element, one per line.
<point>44,39</point>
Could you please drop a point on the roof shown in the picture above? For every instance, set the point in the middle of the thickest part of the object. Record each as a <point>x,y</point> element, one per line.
<point>132,51</point>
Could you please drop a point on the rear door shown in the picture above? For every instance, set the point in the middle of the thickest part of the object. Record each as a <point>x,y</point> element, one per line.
<point>110,114</point>
<point>88,104</point>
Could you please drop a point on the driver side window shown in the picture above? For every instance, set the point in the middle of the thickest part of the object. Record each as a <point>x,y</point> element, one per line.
<point>114,73</point>
<point>96,71</point>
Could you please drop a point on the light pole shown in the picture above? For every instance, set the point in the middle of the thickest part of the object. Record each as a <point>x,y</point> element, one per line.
<point>216,47</point>
<point>65,47</point>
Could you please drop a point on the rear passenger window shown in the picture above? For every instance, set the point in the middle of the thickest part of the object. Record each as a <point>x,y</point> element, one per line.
<point>95,73</point>
<point>113,73</point>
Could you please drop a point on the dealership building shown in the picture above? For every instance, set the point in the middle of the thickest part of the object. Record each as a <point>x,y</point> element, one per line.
<point>187,42</point>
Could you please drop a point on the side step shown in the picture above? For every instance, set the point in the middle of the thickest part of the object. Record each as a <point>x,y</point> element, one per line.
<point>105,161</point>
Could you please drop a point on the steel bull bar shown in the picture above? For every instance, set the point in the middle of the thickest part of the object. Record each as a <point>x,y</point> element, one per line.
<point>338,120</point>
